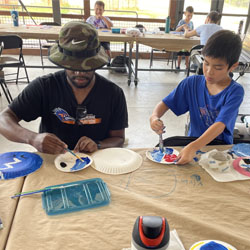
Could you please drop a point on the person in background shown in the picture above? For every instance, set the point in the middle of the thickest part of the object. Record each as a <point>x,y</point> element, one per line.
<point>212,99</point>
<point>188,24</point>
<point>79,109</point>
<point>101,22</point>
<point>206,30</point>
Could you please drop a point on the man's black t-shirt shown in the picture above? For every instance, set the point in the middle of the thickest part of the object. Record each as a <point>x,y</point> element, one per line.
<point>51,98</point>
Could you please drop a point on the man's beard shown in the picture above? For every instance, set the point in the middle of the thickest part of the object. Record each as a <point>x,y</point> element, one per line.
<point>72,80</point>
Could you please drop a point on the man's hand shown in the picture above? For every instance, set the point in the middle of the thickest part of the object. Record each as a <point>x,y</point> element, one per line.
<point>48,143</point>
<point>85,144</point>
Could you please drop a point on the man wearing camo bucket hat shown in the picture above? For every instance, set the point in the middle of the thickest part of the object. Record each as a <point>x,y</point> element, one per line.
<point>79,109</point>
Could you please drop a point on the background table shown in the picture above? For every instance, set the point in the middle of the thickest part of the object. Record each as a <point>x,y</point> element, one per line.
<point>168,42</point>
<point>198,207</point>
<point>8,205</point>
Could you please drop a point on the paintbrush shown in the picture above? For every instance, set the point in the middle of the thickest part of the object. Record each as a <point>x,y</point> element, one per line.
<point>38,191</point>
<point>78,157</point>
<point>161,143</point>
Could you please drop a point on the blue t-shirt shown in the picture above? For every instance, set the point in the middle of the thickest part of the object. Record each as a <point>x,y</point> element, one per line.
<point>204,31</point>
<point>98,23</point>
<point>192,95</point>
<point>190,24</point>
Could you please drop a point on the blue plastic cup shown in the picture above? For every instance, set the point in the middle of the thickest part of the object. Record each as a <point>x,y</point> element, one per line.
<point>14,15</point>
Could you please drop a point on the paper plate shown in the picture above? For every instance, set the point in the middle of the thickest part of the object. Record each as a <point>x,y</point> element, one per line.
<point>242,165</point>
<point>116,161</point>
<point>241,149</point>
<point>211,244</point>
<point>17,164</point>
<point>167,157</point>
<point>69,163</point>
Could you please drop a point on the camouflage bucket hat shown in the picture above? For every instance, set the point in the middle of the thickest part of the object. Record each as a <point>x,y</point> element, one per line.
<point>78,48</point>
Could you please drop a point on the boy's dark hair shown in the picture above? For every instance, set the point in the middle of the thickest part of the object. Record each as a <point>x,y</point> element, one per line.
<point>190,9</point>
<point>100,3</point>
<point>214,16</point>
<point>224,44</point>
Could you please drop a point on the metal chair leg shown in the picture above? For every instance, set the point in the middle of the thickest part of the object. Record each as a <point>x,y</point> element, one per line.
<point>6,90</point>
<point>151,58</point>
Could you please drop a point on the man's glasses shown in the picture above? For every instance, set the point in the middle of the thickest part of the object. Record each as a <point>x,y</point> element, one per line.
<point>81,112</point>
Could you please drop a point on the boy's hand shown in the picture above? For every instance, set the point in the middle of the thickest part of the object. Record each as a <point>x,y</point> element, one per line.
<point>186,155</point>
<point>157,125</point>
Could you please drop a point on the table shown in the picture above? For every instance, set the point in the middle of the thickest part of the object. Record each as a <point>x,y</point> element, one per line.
<point>169,42</point>
<point>52,33</point>
<point>8,206</point>
<point>166,41</point>
<point>198,207</point>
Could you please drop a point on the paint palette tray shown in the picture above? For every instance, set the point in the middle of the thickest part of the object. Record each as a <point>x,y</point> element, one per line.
<point>75,196</point>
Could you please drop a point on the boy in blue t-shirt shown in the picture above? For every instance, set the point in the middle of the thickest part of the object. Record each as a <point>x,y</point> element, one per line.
<point>212,99</point>
<point>101,22</point>
<point>183,24</point>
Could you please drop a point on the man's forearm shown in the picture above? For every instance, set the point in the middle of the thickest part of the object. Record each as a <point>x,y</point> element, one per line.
<point>10,128</point>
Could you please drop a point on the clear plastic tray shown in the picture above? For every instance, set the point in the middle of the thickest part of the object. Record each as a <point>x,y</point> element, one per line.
<point>75,196</point>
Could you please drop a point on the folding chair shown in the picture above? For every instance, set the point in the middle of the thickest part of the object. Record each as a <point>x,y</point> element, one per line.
<point>5,88</point>
<point>171,57</point>
<point>193,52</point>
<point>48,43</point>
<point>13,42</point>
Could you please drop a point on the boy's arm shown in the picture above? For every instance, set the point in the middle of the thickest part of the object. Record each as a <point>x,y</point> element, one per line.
<point>107,22</point>
<point>188,153</point>
<point>191,33</point>
<point>160,109</point>
<point>180,28</point>
<point>10,128</point>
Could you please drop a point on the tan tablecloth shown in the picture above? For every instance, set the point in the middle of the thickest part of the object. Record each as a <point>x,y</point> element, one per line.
<point>8,206</point>
<point>198,207</point>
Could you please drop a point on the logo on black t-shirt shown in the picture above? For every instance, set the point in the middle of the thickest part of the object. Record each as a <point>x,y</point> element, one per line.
<point>64,117</point>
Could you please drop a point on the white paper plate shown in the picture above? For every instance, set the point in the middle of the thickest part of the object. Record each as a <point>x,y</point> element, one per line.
<point>164,158</point>
<point>69,163</point>
<point>198,245</point>
<point>116,161</point>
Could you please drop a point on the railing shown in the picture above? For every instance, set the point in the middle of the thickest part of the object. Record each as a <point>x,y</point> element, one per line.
<point>130,20</point>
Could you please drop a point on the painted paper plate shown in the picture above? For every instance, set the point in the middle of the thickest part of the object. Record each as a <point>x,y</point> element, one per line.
<point>116,161</point>
<point>211,244</point>
<point>242,165</point>
<point>69,163</point>
<point>167,157</point>
<point>241,149</point>
<point>17,164</point>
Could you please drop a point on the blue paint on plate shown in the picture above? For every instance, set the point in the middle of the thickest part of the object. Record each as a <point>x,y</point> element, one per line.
<point>17,164</point>
<point>157,155</point>
<point>79,164</point>
<point>213,246</point>
<point>241,149</point>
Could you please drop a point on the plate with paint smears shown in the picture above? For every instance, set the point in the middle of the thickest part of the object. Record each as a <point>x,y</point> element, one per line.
<point>167,157</point>
<point>242,165</point>
<point>211,244</point>
<point>69,163</point>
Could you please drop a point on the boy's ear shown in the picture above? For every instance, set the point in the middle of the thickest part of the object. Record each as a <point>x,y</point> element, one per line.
<point>234,66</point>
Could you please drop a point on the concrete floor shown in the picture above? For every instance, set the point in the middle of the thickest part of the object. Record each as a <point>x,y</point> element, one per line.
<point>141,100</point>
